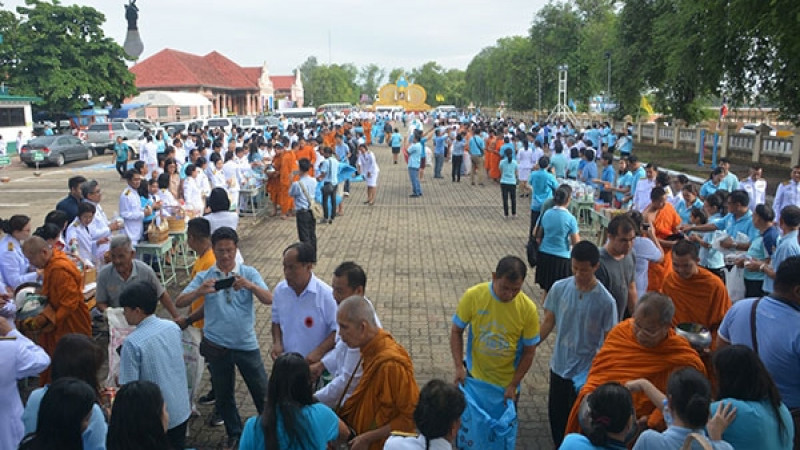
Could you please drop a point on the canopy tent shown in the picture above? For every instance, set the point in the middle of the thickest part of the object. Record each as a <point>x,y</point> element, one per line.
<point>168,98</point>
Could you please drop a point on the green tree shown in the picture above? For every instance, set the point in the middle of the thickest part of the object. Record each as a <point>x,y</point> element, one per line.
<point>60,54</point>
<point>394,74</point>
<point>370,79</point>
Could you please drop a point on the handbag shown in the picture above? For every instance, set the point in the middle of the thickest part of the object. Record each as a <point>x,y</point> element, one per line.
<point>211,351</point>
<point>696,437</point>
<point>533,251</point>
<point>313,206</point>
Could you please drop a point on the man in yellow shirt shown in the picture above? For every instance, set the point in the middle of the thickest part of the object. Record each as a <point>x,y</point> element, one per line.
<point>198,237</point>
<point>500,318</point>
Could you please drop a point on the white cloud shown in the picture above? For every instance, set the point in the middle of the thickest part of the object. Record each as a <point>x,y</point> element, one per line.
<point>388,33</point>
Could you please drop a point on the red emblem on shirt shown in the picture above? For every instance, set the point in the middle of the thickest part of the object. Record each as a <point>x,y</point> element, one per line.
<point>309,322</point>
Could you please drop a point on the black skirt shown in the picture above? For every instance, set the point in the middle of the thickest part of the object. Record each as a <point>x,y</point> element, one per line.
<point>551,268</point>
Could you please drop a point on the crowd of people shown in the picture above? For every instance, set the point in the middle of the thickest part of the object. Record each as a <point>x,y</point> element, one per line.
<point>620,374</point>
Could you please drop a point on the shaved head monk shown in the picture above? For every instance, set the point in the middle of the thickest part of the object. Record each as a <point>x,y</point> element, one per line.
<point>62,284</point>
<point>387,393</point>
<point>644,346</point>
<point>699,295</point>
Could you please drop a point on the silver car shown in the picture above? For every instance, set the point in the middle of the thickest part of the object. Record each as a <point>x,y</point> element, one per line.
<point>56,149</point>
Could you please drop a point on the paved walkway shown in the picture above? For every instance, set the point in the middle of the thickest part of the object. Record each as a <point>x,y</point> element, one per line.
<point>420,255</point>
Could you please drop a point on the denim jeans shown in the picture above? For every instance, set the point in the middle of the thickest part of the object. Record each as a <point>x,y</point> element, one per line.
<point>438,162</point>
<point>457,161</point>
<point>413,175</point>
<point>329,200</point>
<point>223,381</point>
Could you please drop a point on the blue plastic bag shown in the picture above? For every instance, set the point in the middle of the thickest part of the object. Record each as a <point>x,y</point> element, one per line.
<point>489,421</point>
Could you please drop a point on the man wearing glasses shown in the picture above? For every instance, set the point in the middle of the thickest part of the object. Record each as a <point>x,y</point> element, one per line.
<point>229,338</point>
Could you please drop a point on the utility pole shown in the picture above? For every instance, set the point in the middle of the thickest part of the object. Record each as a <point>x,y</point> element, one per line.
<point>539,72</point>
<point>608,91</point>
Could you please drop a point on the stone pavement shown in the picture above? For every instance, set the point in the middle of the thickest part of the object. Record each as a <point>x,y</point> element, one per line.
<point>420,255</point>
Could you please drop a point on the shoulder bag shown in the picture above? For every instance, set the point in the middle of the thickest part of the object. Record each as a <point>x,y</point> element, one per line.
<point>313,206</point>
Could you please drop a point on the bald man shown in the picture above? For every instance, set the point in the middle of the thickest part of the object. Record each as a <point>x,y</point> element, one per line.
<point>66,310</point>
<point>387,393</point>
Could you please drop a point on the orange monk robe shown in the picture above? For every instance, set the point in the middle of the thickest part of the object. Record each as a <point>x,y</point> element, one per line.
<point>489,144</point>
<point>368,131</point>
<point>273,179</point>
<point>622,359</point>
<point>702,299</point>
<point>329,139</point>
<point>66,308</point>
<point>493,159</point>
<point>285,178</point>
<point>307,152</point>
<point>387,392</point>
<point>665,223</point>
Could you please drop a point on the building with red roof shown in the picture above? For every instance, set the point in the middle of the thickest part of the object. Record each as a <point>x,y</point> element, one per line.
<point>231,88</point>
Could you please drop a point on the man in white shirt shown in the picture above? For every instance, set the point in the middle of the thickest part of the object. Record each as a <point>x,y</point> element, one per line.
<point>755,186</point>
<point>303,309</point>
<point>788,193</point>
<point>641,199</point>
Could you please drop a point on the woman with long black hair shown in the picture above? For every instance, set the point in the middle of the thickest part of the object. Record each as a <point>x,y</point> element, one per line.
<point>63,416</point>
<point>139,419</point>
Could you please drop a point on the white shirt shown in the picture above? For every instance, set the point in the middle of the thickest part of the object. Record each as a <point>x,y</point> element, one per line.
<point>306,319</point>
<point>641,199</point>
<point>757,190</point>
<point>99,229</point>
<point>130,209</point>
<point>191,194</point>
<point>19,358</point>
<point>340,362</point>
<point>231,171</point>
<point>82,237</point>
<point>788,193</point>
<point>415,443</point>
<point>149,153</point>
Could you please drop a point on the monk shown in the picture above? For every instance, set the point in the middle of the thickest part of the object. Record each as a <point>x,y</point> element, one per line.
<point>368,131</point>
<point>385,397</point>
<point>699,295</point>
<point>66,311</point>
<point>285,178</point>
<point>273,179</point>
<point>661,215</point>
<point>329,139</point>
<point>304,150</point>
<point>644,346</point>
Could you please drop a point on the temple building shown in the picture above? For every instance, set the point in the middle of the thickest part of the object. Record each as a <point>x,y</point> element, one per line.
<point>231,88</point>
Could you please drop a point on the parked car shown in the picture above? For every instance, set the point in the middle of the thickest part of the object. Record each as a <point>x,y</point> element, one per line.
<point>269,121</point>
<point>57,150</point>
<point>753,128</point>
<point>101,136</point>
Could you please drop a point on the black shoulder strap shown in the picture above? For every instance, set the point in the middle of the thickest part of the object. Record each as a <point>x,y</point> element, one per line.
<point>753,337</point>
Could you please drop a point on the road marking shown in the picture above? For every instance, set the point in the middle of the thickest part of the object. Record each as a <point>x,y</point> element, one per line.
<point>14,205</point>
<point>26,191</point>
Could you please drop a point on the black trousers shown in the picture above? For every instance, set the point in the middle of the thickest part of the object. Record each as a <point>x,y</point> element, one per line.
<point>177,436</point>
<point>752,288</point>
<point>121,167</point>
<point>509,191</point>
<point>329,192</point>
<point>306,227</point>
<point>559,404</point>
<point>457,161</point>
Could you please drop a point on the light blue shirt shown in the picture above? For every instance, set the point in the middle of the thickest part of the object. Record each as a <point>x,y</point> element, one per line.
<point>330,167</point>
<point>575,441</point>
<point>14,266</point>
<point>458,148</point>
<point>609,175</point>
<point>709,188</point>
<point>414,155</point>
<point>154,352</point>
<point>624,180</point>
<point>787,247</point>
<point>341,151</point>
<point>582,321</point>
<point>711,258</point>
<point>94,437</point>
<point>672,439</point>
<point>686,211</point>
<point>756,425</point>
<point>730,183</point>
<point>317,420</point>
<point>296,192</point>
<point>397,140</point>
<point>229,314</point>
<point>778,341</point>
<point>508,171</point>
<point>637,175</point>
<point>589,173</point>
<point>560,164</point>
<point>543,184</point>
<point>476,146</point>
<point>734,226</point>
<point>438,144</point>
<point>558,224</point>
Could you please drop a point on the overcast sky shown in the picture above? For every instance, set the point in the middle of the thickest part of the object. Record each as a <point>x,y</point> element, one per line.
<point>404,33</point>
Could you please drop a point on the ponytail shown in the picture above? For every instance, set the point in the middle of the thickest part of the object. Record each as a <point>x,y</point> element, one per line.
<point>508,154</point>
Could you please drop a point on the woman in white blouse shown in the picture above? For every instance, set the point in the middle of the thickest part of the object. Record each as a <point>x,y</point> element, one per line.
<point>368,166</point>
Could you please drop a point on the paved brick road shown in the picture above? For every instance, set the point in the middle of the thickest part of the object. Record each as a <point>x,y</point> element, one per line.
<point>420,255</point>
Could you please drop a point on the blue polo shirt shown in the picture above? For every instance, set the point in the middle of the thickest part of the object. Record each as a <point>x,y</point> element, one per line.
<point>787,247</point>
<point>734,226</point>
<point>685,211</point>
<point>229,314</point>
<point>476,146</point>
<point>397,140</point>
<point>543,184</point>
<point>558,225</point>
<point>415,155</point>
<point>508,171</point>
<point>608,175</point>
<point>438,145</point>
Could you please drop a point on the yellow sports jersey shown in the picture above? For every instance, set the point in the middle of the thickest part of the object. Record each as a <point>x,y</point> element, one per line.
<point>497,332</point>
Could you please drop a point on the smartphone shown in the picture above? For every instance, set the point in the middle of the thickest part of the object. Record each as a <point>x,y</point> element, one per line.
<point>224,283</point>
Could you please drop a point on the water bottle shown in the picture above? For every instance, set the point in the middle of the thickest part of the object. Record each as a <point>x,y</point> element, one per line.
<point>666,412</point>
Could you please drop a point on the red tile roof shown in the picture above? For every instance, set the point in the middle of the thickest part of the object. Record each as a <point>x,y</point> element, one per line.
<point>171,69</point>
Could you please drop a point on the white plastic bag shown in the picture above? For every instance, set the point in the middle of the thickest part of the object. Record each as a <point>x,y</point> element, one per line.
<point>717,239</point>
<point>734,281</point>
<point>190,338</point>
<point>118,330</point>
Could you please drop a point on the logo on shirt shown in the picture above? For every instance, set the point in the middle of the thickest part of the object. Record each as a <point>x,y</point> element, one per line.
<point>309,322</point>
